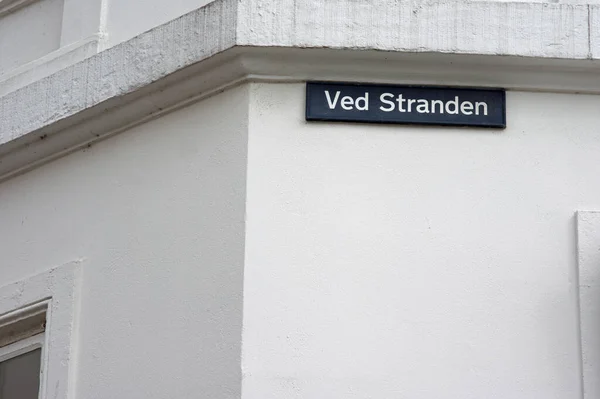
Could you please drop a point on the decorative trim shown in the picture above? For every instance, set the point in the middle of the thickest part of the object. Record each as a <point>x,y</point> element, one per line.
<point>57,290</point>
<point>525,29</point>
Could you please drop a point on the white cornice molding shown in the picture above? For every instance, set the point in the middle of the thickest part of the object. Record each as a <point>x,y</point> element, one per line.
<point>525,46</point>
<point>444,26</point>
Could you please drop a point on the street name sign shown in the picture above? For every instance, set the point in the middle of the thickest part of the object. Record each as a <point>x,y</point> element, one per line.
<point>417,105</point>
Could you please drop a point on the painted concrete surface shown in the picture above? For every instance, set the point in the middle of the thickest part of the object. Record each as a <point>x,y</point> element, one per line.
<point>56,292</point>
<point>127,19</point>
<point>370,261</point>
<point>391,261</point>
<point>509,29</point>
<point>376,261</point>
<point>493,28</point>
<point>99,78</point>
<point>158,214</point>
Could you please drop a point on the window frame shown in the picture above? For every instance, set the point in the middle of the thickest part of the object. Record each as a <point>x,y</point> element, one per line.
<point>56,292</point>
<point>24,346</point>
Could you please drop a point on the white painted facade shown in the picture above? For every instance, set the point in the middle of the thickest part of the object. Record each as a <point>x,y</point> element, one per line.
<point>416,262</point>
<point>162,240</point>
<point>40,37</point>
<point>196,237</point>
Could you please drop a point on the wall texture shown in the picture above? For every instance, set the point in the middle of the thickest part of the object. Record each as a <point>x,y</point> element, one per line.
<point>408,262</point>
<point>374,261</point>
<point>125,22</point>
<point>158,212</point>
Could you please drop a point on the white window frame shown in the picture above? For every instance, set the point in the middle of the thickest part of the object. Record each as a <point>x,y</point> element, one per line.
<point>24,346</point>
<point>56,291</point>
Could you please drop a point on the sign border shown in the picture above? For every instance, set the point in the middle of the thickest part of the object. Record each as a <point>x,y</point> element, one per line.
<point>383,122</point>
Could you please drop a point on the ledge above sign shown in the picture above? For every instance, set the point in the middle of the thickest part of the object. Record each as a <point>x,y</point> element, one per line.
<point>416,105</point>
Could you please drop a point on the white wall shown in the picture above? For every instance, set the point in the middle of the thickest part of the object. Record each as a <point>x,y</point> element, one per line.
<point>410,262</point>
<point>377,261</point>
<point>127,19</point>
<point>158,212</point>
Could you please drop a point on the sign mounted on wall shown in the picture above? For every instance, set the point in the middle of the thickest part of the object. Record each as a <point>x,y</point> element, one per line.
<point>418,105</point>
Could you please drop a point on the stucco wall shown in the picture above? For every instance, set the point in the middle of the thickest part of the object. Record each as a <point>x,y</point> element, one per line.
<point>158,212</point>
<point>379,261</point>
<point>410,262</point>
<point>127,19</point>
